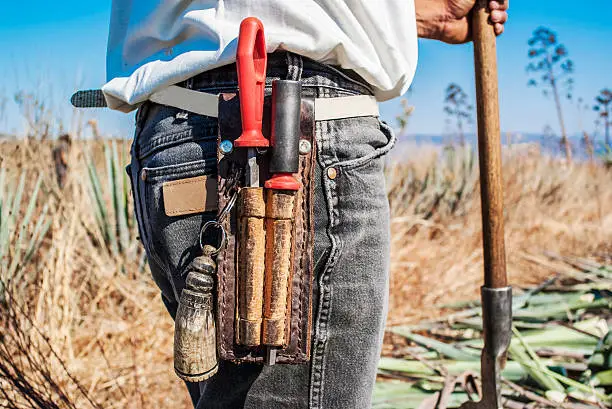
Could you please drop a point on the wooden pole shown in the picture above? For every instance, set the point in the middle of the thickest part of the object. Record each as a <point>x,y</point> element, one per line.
<point>489,146</point>
<point>496,295</point>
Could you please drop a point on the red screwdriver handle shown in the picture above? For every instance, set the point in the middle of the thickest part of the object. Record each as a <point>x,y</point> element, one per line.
<point>251,60</point>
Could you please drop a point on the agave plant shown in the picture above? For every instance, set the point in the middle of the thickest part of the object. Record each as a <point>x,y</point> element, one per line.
<point>111,199</point>
<point>445,188</point>
<point>23,226</point>
<point>606,157</point>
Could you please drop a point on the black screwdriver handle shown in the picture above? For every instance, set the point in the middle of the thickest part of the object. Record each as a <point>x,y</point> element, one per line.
<point>285,138</point>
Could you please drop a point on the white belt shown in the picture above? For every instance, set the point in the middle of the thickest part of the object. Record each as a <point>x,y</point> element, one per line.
<point>324,108</point>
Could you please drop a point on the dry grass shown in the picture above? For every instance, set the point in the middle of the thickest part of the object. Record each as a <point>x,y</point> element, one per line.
<point>86,325</point>
<point>550,207</point>
<point>94,310</point>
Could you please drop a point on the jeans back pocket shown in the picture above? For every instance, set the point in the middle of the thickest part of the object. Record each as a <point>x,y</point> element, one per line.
<point>170,147</point>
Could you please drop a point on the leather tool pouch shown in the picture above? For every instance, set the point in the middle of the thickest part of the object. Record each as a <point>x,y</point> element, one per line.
<point>230,180</point>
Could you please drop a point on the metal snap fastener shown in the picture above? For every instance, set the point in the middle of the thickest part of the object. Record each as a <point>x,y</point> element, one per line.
<point>226,146</point>
<point>332,173</point>
<point>305,146</point>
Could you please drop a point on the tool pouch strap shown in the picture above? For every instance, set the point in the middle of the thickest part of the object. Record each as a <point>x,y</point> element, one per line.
<point>230,179</point>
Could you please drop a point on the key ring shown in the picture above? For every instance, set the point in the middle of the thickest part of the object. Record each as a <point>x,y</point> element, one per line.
<point>228,207</point>
<point>217,225</point>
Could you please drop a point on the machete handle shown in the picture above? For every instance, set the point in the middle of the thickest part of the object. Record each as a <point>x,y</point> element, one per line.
<point>251,61</point>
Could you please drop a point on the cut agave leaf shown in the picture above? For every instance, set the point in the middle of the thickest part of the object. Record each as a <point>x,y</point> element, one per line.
<point>399,395</point>
<point>513,370</point>
<point>601,360</point>
<point>441,348</point>
<point>603,378</point>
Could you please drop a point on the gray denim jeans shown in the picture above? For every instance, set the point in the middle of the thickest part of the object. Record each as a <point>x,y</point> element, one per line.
<point>351,241</point>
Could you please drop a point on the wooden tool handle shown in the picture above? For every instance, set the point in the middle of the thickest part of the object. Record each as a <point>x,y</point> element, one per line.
<point>251,253</point>
<point>277,294</point>
<point>489,146</point>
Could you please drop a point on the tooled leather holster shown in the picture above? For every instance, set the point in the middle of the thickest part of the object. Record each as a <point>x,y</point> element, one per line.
<point>230,180</point>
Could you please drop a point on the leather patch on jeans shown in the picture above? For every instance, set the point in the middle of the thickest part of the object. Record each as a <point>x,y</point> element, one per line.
<point>191,195</point>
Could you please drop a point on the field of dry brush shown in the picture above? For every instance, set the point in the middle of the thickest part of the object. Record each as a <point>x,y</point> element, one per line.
<point>83,324</point>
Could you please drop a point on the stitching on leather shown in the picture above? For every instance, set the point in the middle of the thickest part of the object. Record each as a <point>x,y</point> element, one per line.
<point>222,282</point>
<point>183,211</point>
<point>289,289</point>
<point>301,262</point>
<point>183,181</point>
<point>305,172</point>
<point>306,283</point>
<point>310,235</point>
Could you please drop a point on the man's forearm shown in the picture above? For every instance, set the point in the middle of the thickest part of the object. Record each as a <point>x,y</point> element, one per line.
<point>447,20</point>
<point>429,16</point>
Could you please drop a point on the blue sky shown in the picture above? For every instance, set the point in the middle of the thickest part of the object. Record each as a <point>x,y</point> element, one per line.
<point>55,47</point>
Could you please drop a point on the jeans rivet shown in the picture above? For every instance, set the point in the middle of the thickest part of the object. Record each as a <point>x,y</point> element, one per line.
<point>332,173</point>
<point>143,174</point>
<point>226,146</point>
<point>305,147</point>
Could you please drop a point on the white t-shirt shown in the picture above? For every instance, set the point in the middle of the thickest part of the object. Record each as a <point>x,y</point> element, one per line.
<point>153,44</point>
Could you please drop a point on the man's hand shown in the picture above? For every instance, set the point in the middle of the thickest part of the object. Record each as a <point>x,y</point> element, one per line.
<point>447,20</point>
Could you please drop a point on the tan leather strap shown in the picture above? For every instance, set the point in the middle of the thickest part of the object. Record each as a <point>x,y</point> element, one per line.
<point>345,107</point>
<point>326,109</point>
<point>197,102</point>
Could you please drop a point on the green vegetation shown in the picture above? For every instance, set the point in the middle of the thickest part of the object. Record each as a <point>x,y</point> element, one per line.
<point>23,226</point>
<point>560,355</point>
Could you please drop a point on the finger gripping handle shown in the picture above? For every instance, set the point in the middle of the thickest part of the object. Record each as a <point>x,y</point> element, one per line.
<point>251,60</point>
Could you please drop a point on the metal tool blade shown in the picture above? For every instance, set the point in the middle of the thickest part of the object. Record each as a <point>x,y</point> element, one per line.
<point>497,325</point>
<point>270,355</point>
<point>252,168</point>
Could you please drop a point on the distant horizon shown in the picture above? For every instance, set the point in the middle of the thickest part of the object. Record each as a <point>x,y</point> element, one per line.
<point>525,137</point>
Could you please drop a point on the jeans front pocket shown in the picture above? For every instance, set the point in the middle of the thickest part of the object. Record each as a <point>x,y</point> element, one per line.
<point>353,142</point>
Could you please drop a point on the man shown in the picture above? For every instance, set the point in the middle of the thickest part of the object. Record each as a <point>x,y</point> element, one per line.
<point>336,48</point>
